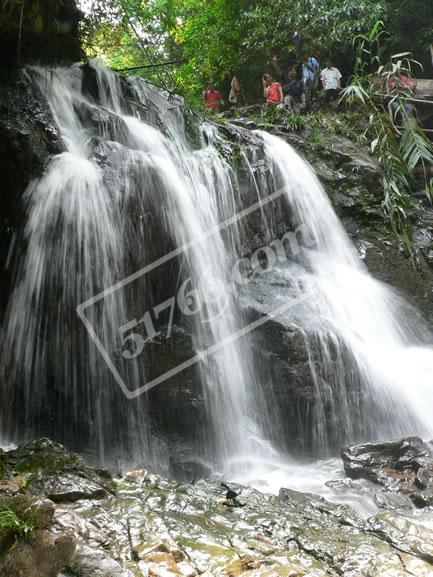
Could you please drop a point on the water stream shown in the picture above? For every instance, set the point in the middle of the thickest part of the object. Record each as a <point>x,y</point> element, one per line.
<point>134,183</point>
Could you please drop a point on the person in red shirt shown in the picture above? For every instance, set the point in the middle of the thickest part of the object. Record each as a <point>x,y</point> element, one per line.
<point>272,91</point>
<point>401,89</point>
<point>211,98</point>
<point>401,83</point>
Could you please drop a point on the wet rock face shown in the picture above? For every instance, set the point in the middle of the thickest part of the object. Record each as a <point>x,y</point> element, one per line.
<point>404,467</point>
<point>388,260</point>
<point>28,136</point>
<point>282,361</point>
<point>353,183</point>
<point>68,487</point>
<point>39,31</point>
<point>149,526</point>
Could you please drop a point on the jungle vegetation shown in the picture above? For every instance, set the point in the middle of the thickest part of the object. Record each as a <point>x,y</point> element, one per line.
<point>213,40</point>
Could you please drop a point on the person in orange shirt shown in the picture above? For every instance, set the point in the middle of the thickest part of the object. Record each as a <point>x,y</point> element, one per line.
<point>272,91</point>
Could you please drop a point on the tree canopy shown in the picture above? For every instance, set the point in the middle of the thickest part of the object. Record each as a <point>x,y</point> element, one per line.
<point>214,40</point>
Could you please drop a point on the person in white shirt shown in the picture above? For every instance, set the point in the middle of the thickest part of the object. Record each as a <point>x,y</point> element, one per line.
<point>331,80</point>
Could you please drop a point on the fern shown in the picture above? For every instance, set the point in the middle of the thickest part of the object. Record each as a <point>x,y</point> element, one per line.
<point>417,150</point>
<point>10,521</point>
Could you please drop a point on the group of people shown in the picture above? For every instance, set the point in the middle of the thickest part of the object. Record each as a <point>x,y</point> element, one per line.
<point>298,86</point>
<point>295,88</point>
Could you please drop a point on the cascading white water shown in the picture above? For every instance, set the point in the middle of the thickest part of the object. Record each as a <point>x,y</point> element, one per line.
<point>74,250</point>
<point>130,170</point>
<point>79,235</point>
<point>368,339</point>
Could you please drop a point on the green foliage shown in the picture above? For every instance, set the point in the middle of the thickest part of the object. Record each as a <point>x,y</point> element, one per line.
<point>349,124</point>
<point>12,523</point>
<point>399,149</point>
<point>369,50</point>
<point>220,38</point>
<point>416,149</point>
<point>132,33</point>
<point>411,25</point>
<point>327,26</point>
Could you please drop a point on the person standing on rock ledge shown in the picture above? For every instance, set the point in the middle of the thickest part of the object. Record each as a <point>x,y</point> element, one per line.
<point>331,81</point>
<point>235,91</point>
<point>212,99</point>
<point>272,91</point>
<point>310,74</point>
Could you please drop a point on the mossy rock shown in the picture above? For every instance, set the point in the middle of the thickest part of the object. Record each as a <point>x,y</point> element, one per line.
<point>20,516</point>
<point>45,456</point>
<point>43,460</point>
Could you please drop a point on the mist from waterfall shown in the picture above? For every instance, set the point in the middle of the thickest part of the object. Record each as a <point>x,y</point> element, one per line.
<point>133,184</point>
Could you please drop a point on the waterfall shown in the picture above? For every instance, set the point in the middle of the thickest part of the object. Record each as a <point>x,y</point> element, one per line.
<point>373,371</point>
<point>126,224</point>
<point>82,228</point>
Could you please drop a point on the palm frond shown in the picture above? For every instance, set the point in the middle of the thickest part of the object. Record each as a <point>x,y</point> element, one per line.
<point>414,145</point>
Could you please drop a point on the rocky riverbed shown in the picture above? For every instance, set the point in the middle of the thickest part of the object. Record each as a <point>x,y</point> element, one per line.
<point>67,519</point>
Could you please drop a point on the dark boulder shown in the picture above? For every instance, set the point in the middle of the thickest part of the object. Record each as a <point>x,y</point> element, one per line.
<point>27,548</point>
<point>188,470</point>
<point>68,487</point>
<point>402,468</point>
<point>422,499</point>
<point>424,477</point>
<point>41,555</point>
<point>364,461</point>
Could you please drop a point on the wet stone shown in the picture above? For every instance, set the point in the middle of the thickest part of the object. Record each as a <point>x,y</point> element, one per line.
<point>421,500</point>
<point>403,468</point>
<point>424,478</point>
<point>339,485</point>
<point>68,487</point>
<point>151,526</point>
<point>297,496</point>
<point>363,461</point>
<point>188,470</point>
<point>392,501</point>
